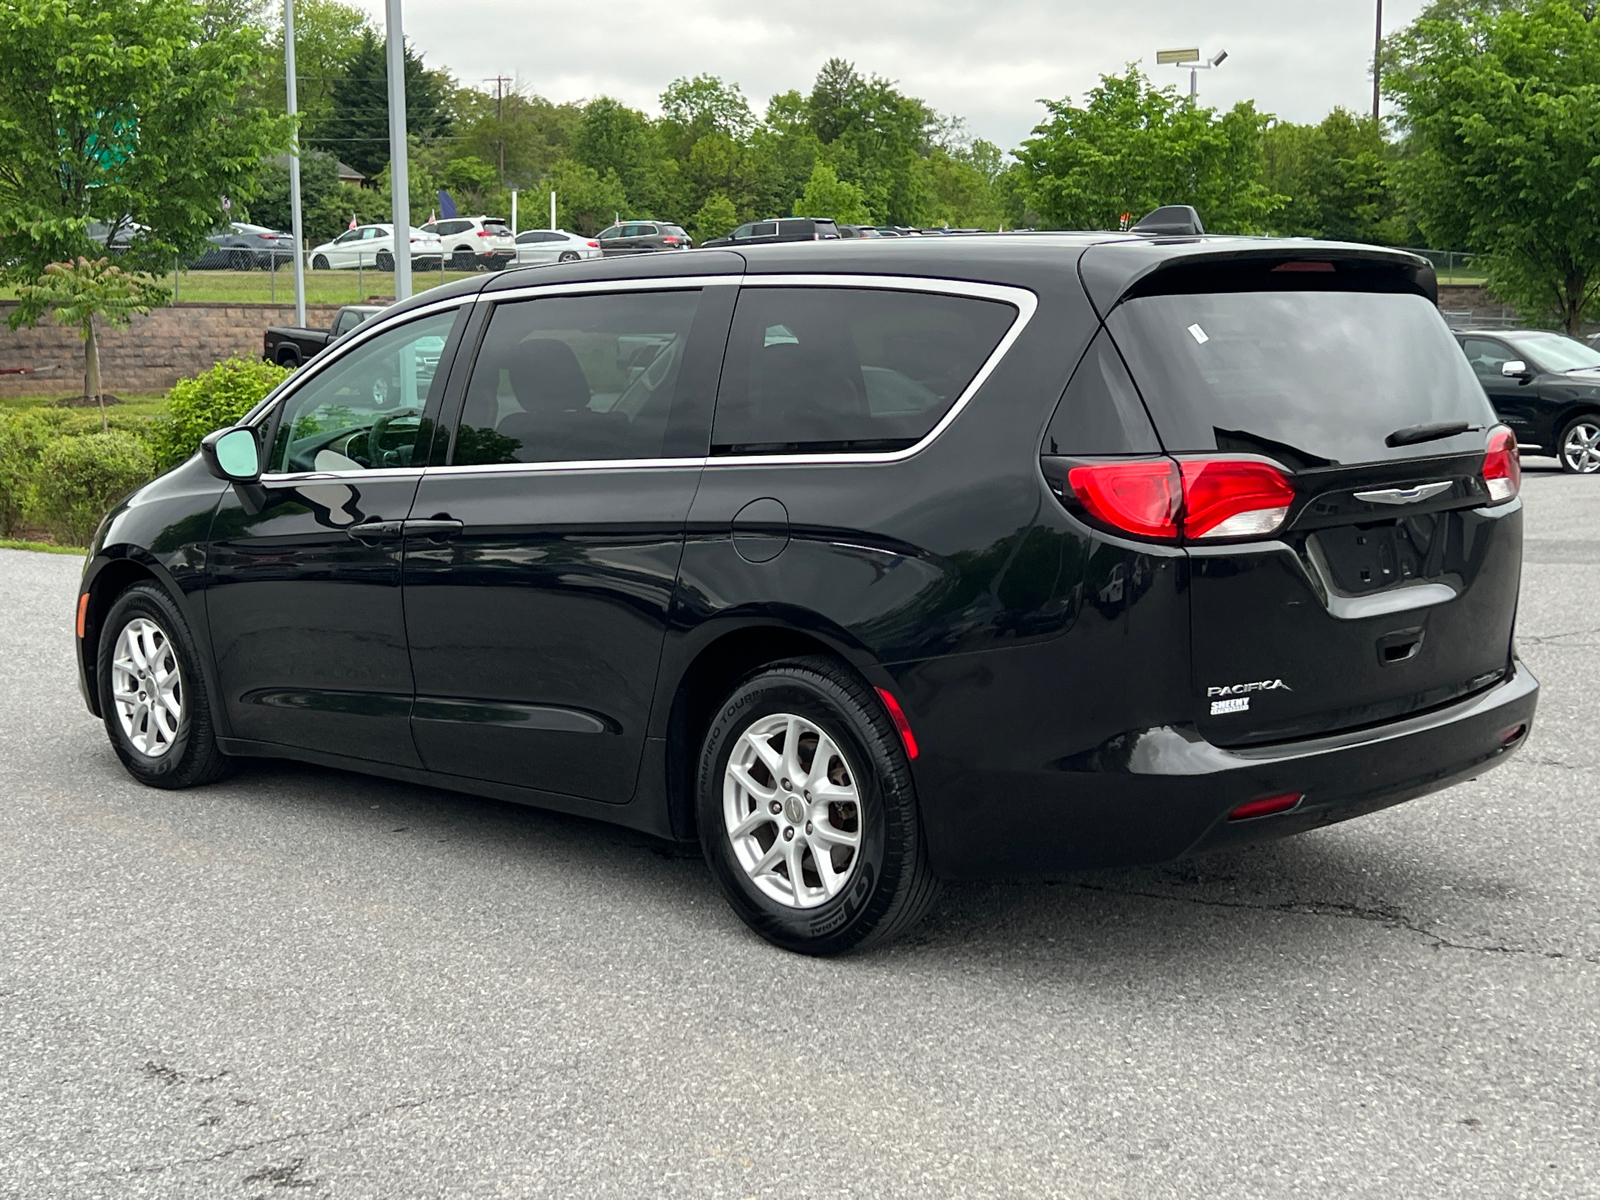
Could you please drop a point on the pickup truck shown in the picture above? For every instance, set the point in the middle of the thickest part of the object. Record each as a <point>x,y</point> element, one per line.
<point>290,346</point>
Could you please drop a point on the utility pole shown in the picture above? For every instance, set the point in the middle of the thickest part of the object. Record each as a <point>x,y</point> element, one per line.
<point>500,121</point>
<point>399,174</point>
<point>1377,54</point>
<point>296,224</point>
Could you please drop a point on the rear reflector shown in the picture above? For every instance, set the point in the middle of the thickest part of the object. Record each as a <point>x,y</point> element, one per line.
<point>1502,469</point>
<point>898,716</point>
<point>1507,736</point>
<point>1266,806</point>
<point>1199,497</point>
<point>83,611</point>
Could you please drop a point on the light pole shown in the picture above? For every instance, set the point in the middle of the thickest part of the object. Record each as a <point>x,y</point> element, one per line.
<point>296,224</point>
<point>1377,55</point>
<point>399,177</point>
<point>1190,60</point>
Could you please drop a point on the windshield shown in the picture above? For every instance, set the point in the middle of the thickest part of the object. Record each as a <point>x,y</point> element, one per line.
<point>1553,352</point>
<point>1306,377</point>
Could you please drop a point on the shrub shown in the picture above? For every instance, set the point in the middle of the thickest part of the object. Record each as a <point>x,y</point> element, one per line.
<point>79,478</point>
<point>210,400</point>
<point>24,437</point>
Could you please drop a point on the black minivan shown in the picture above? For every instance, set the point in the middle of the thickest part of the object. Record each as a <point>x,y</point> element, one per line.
<point>865,567</point>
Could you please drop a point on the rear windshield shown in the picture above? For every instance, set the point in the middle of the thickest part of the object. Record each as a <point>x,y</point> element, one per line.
<point>1308,377</point>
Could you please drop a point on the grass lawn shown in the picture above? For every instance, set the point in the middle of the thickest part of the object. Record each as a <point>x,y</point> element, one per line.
<point>134,404</point>
<point>44,547</point>
<point>266,287</point>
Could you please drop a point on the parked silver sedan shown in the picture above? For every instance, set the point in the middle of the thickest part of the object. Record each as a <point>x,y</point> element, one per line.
<point>538,246</point>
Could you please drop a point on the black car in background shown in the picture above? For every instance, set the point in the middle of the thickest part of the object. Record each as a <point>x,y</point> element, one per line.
<point>864,567</point>
<point>1545,386</point>
<point>242,247</point>
<point>780,229</point>
<point>642,237</point>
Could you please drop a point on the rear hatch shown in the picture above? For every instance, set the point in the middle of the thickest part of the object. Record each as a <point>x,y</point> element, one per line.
<point>1389,584</point>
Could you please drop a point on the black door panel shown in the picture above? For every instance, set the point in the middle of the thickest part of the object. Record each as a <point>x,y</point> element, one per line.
<point>536,631</point>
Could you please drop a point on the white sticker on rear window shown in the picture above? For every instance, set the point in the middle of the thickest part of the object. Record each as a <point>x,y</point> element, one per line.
<point>780,335</point>
<point>1198,334</point>
<point>1237,704</point>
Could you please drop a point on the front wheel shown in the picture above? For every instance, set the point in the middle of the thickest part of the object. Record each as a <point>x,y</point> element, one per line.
<point>1579,445</point>
<point>319,263</point>
<point>807,811</point>
<point>152,696</point>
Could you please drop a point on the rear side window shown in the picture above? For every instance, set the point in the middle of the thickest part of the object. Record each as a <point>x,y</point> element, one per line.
<point>571,378</point>
<point>1100,412</point>
<point>813,370</point>
<point>1308,377</point>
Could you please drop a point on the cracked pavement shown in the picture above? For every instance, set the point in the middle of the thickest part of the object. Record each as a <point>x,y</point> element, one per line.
<point>307,983</point>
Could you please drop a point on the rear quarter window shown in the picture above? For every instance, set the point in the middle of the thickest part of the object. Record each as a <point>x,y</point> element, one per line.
<point>813,370</point>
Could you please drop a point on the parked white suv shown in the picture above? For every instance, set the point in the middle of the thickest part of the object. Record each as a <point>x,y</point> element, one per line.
<point>471,242</point>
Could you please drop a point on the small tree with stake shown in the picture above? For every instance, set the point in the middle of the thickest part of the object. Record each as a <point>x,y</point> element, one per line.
<point>78,293</point>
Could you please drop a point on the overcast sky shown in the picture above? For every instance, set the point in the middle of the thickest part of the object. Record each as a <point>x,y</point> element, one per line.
<point>986,60</point>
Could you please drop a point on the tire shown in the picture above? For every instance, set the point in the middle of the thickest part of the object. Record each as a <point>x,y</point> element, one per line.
<point>882,885</point>
<point>463,260</point>
<point>385,261</point>
<point>568,256</point>
<point>319,263</point>
<point>241,260</point>
<point>288,358</point>
<point>1578,447</point>
<point>157,750</point>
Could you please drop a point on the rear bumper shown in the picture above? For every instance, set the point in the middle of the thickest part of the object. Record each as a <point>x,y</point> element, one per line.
<point>1166,793</point>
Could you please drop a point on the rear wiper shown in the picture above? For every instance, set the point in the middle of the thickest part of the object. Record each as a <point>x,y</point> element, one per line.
<point>1412,434</point>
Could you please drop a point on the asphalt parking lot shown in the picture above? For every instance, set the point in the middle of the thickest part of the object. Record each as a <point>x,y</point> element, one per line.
<point>342,987</point>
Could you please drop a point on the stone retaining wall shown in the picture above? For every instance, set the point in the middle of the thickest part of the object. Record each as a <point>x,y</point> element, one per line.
<point>152,354</point>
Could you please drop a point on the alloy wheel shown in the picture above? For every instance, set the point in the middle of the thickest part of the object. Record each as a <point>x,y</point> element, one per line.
<point>1580,449</point>
<point>147,687</point>
<point>792,809</point>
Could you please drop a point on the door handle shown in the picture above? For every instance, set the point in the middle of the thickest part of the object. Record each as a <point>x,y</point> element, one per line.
<point>436,529</point>
<point>372,532</point>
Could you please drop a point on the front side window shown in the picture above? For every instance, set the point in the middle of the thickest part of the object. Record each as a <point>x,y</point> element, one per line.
<point>821,369</point>
<point>1486,356</point>
<point>576,378</point>
<point>614,231</point>
<point>364,410</point>
<point>350,235</point>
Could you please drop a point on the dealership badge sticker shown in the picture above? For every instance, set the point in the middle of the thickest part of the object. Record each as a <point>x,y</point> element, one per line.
<point>1236,696</point>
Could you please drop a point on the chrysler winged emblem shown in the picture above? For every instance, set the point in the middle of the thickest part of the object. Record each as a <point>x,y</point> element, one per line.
<point>1410,495</point>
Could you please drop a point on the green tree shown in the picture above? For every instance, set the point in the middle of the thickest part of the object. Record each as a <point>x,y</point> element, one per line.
<point>705,104</point>
<point>356,128</point>
<point>1134,147</point>
<point>81,293</point>
<point>715,218</point>
<point>586,201</point>
<point>826,195</point>
<point>1336,178</point>
<point>615,139</point>
<point>874,136</point>
<point>327,34</point>
<point>1501,105</point>
<point>124,112</point>
<point>319,182</point>
<point>210,400</point>
<point>532,132</point>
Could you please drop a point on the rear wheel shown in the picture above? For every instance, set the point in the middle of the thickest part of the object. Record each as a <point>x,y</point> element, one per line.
<point>319,263</point>
<point>807,812</point>
<point>1579,445</point>
<point>463,260</point>
<point>241,260</point>
<point>385,261</point>
<point>156,709</point>
<point>568,256</point>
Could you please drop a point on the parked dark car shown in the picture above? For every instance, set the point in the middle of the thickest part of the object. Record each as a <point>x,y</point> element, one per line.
<point>292,345</point>
<point>241,247</point>
<point>642,237</point>
<point>864,567</point>
<point>1545,386</point>
<point>780,229</point>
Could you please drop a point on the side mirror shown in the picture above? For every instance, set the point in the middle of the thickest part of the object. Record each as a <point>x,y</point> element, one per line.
<point>232,454</point>
<point>1515,369</point>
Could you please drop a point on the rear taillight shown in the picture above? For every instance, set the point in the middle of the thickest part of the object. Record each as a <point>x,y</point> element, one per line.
<point>1141,496</point>
<point>1502,468</point>
<point>1199,498</point>
<point>669,241</point>
<point>1233,498</point>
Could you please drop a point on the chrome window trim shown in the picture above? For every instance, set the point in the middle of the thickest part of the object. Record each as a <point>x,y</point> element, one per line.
<point>1024,301</point>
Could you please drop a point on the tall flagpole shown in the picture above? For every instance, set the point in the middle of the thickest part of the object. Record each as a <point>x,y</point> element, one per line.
<point>399,176</point>
<point>296,224</point>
